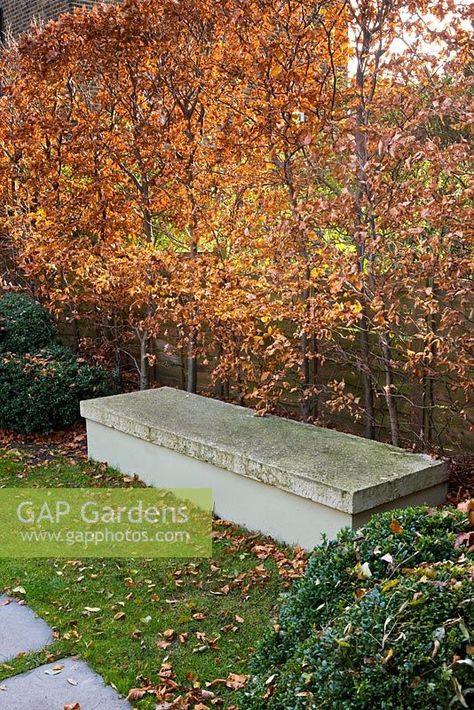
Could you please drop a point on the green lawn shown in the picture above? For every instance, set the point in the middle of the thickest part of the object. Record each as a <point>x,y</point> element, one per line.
<point>180,622</point>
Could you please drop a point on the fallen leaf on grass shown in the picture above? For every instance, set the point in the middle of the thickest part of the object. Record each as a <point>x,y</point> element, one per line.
<point>200,649</point>
<point>166,671</point>
<point>229,627</point>
<point>164,645</point>
<point>137,694</point>
<point>234,681</point>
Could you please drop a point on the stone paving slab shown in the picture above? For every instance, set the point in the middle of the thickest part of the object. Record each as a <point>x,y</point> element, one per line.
<point>75,683</point>
<point>21,631</point>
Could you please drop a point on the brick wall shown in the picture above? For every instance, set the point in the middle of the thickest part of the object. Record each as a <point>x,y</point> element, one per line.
<point>18,14</point>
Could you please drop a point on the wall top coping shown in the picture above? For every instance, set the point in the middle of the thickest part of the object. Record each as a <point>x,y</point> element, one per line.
<point>339,470</point>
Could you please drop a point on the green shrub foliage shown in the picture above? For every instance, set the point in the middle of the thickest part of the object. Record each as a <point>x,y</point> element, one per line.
<point>41,391</point>
<point>382,620</point>
<point>25,326</point>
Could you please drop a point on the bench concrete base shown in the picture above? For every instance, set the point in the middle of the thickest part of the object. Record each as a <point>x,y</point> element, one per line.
<point>292,481</point>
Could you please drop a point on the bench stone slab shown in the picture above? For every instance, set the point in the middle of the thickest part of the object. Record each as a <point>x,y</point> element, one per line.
<point>288,479</point>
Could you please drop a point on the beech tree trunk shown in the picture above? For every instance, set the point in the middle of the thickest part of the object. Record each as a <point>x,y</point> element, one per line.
<point>191,382</point>
<point>388,389</point>
<point>144,380</point>
<point>366,376</point>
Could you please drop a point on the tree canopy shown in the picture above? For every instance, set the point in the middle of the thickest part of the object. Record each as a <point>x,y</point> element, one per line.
<point>277,183</point>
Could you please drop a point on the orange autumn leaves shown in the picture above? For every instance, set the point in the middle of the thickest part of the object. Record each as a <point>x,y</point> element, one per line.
<point>214,174</point>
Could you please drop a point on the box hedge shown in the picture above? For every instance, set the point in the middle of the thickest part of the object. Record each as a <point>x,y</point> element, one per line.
<point>383,619</point>
<point>41,391</point>
<point>25,326</point>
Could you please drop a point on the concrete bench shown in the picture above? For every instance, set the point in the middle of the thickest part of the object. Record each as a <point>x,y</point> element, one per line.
<point>290,480</point>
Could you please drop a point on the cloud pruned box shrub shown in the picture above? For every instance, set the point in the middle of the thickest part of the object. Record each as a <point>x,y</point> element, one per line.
<point>41,381</point>
<point>25,326</point>
<point>383,619</point>
<point>41,391</point>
